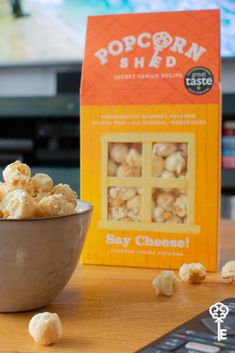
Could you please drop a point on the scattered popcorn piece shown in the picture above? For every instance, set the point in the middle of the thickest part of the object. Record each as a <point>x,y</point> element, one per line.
<point>228,271</point>
<point>45,328</point>
<point>176,162</point>
<point>66,191</point>
<point>42,183</point>
<point>166,283</point>
<point>192,273</point>
<point>17,173</point>
<point>163,149</point>
<point>18,204</point>
<point>118,152</point>
<point>134,158</point>
<point>112,168</point>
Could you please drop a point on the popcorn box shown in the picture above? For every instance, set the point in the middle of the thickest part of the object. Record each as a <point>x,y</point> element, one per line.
<point>150,138</point>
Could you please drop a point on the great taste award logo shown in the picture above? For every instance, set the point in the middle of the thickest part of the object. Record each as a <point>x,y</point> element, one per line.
<point>219,312</point>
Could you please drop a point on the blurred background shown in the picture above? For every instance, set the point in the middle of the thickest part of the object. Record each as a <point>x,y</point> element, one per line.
<point>41,52</point>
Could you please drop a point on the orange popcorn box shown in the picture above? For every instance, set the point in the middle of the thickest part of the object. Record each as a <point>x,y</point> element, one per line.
<point>150,138</point>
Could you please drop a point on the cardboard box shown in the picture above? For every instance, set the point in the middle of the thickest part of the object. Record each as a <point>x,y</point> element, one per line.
<point>150,138</point>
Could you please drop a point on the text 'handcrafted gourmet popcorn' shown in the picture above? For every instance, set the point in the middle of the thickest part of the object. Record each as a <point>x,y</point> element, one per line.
<point>150,138</point>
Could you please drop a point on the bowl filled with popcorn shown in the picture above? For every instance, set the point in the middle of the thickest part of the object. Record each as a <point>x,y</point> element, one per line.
<point>42,231</point>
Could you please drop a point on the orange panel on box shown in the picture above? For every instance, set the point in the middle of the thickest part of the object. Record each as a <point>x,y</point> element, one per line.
<point>150,138</point>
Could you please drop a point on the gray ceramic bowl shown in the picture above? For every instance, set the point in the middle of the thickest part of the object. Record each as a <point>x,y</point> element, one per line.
<point>38,257</point>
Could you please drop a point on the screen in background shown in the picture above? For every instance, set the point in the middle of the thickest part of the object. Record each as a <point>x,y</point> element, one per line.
<point>54,30</point>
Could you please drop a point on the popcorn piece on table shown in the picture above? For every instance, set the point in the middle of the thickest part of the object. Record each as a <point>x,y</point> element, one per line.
<point>193,273</point>
<point>228,271</point>
<point>18,204</point>
<point>166,283</point>
<point>45,328</point>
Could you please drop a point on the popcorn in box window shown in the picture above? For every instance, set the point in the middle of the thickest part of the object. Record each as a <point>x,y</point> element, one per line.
<point>125,160</point>
<point>169,205</point>
<point>169,160</point>
<point>124,204</point>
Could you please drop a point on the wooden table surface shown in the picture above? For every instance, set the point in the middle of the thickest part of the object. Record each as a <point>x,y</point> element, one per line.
<point>114,310</point>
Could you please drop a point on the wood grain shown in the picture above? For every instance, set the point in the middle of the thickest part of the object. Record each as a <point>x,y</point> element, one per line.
<point>114,310</point>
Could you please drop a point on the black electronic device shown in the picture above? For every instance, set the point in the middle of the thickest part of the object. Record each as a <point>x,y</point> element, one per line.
<point>198,335</point>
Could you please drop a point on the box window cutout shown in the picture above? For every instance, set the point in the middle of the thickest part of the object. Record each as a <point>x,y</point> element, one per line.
<point>148,179</point>
<point>169,160</point>
<point>169,205</point>
<point>124,160</point>
<point>124,204</point>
